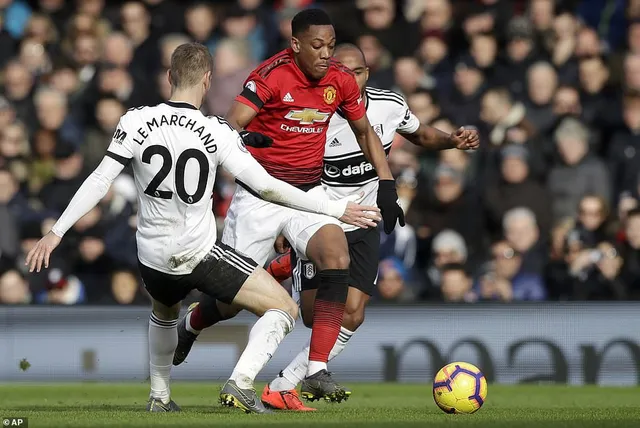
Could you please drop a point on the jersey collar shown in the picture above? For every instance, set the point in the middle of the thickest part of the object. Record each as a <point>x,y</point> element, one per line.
<point>180,105</point>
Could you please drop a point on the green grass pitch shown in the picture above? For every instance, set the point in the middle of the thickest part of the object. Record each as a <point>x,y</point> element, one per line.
<point>372,405</point>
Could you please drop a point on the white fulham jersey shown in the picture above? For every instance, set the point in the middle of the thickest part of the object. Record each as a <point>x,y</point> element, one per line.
<point>175,151</point>
<point>346,170</point>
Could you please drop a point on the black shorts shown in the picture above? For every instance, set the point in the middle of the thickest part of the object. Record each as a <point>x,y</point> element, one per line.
<point>364,251</point>
<point>220,274</point>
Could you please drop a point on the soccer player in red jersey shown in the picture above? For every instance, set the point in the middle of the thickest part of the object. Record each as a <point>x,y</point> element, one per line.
<point>283,114</point>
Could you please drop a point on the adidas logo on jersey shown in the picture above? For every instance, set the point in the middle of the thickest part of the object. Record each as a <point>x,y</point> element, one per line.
<point>287,98</point>
<point>335,143</point>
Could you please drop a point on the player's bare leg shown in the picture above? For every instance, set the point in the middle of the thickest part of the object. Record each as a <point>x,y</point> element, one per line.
<point>163,338</point>
<point>276,393</point>
<point>329,251</point>
<point>264,297</point>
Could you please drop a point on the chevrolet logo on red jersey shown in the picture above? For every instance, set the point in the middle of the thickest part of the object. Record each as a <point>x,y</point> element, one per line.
<point>308,116</point>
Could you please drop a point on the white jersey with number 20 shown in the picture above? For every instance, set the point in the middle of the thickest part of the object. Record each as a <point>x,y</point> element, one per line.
<point>175,151</point>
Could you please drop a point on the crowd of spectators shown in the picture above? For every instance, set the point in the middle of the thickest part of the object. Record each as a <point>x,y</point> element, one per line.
<point>547,209</point>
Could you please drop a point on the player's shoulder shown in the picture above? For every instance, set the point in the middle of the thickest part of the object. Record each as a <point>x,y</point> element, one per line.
<point>220,123</point>
<point>385,96</point>
<point>275,65</point>
<point>136,113</point>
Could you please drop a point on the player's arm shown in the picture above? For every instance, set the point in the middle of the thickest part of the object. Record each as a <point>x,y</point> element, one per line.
<point>431,138</point>
<point>273,190</point>
<point>92,190</point>
<point>245,108</point>
<point>239,163</point>
<point>354,110</point>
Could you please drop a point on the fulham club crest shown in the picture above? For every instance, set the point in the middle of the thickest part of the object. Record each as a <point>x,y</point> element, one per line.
<point>309,270</point>
<point>378,129</point>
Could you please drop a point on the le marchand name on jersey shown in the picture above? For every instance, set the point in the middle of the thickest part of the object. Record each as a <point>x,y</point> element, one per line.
<point>180,121</point>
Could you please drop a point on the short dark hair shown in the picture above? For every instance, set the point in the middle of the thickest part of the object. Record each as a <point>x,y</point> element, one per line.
<point>347,46</point>
<point>308,17</point>
<point>430,93</point>
<point>633,213</point>
<point>189,62</point>
<point>450,267</point>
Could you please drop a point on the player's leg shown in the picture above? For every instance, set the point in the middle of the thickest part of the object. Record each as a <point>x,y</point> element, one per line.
<point>167,291</point>
<point>322,241</point>
<point>281,393</point>
<point>237,280</point>
<point>364,251</point>
<point>250,227</point>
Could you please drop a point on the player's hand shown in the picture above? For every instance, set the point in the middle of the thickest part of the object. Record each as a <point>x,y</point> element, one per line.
<point>390,208</point>
<point>282,245</point>
<point>42,252</point>
<point>255,139</point>
<point>465,138</point>
<point>361,216</point>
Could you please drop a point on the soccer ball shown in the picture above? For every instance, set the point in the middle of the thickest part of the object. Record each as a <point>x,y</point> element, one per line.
<point>460,388</point>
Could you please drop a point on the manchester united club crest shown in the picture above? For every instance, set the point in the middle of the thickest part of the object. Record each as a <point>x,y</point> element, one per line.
<point>329,95</point>
<point>309,270</point>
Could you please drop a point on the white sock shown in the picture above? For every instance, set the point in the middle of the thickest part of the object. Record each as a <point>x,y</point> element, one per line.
<point>163,339</point>
<point>295,372</point>
<point>188,325</point>
<point>264,338</point>
<point>343,338</point>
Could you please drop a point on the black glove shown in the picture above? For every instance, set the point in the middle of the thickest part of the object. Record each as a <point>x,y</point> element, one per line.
<point>255,139</point>
<point>388,203</point>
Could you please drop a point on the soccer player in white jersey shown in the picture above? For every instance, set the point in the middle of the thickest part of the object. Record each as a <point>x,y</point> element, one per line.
<point>175,151</point>
<point>347,172</point>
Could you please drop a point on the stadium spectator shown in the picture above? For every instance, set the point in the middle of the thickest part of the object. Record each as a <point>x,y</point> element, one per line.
<point>580,172</point>
<point>546,80</point>
<point>593,216</point>
<point>631,253</point>
<point>516,188</point>
<point>522,232</point>
<point>14,289</point>
<point>457,284</point>
<point>448,206</point>
<point>391,285</point>
<point>447,247</point>
<point>507,280</point>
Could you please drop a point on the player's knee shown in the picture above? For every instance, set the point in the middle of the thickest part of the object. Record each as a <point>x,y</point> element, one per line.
<point>334,259</point>
<point>166,313</point>
<point>228,311</point>
<point>329,249</point>
<point>353,318</point>
<point>289,306</point>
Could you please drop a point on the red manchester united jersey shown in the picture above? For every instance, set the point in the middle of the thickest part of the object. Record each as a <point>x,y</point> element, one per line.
<point>295,113</point>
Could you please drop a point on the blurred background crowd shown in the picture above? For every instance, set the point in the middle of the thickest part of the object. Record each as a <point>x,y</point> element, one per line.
<point>546,210</point>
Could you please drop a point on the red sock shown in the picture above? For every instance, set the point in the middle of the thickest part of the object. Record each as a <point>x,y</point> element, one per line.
<point>327,319</point>
<point>205,314</point>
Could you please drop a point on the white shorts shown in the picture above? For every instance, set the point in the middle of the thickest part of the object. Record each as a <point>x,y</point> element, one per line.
<point>252,225</point>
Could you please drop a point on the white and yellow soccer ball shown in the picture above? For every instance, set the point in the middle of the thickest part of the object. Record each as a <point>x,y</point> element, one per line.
<point>460,388</point>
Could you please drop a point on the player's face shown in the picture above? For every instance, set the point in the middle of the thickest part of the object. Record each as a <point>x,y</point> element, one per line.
<point>354,61</point>
<point>314,49</point>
